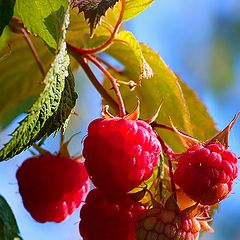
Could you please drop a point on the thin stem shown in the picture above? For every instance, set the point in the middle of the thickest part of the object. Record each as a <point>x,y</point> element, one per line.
<point>84,51</point>
<point>34,52</point>
<point>167,150</point>
<point>61,137</point>
<point>122,111</point>
<point>170,128</point>
<point>93,79</point>
<point>107,64</point>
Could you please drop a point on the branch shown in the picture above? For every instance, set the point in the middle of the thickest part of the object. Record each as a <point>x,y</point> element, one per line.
<point>122,111</point>
<point>84,51</point>
<point>93,79</point>
<point>33,49</point>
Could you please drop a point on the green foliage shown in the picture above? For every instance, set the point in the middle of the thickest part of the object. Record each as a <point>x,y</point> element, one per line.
<point>44,18</point>
<point>52,105</point>
<point>6,13</point>
<point>221,65</point>
<point>179,102</point>
<point>93,10</point>
<point>8,225</point>
<point>133,8</point>
<point>19,94</point>
<point>52,97</point>
<point>127,48</point>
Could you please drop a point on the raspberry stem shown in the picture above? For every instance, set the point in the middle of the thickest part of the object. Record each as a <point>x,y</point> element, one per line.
<point>113,80</point>
<point>34,51</point>
<point>170,128</point>
<point>93,79</point>
<point>84,51</point>
<point>169,152</point>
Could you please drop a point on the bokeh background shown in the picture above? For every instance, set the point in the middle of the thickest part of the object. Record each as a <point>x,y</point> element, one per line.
<point>200,41</point>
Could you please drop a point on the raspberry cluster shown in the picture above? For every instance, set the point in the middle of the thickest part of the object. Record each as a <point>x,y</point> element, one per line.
<point>119,155</point>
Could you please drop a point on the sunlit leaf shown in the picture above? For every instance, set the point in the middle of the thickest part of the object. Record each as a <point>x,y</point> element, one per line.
<point>125,48</point>
<point>133,8</point>
<point>6,13</point>
<point>43,18</point>
<point>221,65</point>
<point>179,102</point>
<point>125,45</point>
<point>203,125</point>
<point>8,225</point>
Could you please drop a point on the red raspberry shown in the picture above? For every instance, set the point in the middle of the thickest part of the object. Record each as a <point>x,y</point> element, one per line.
<point>104,218</point>
<point>166,224</point>
<point>206,173</point>
<point>52,187</point>
<point>120,154</point>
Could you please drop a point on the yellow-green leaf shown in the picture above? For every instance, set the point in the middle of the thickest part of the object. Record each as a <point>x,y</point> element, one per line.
<point>126,44</point>
<point>133,8</point>
<point>43,18</point>
<point>179,102</point>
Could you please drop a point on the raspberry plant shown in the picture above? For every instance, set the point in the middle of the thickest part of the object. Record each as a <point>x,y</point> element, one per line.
<point>148,184</point>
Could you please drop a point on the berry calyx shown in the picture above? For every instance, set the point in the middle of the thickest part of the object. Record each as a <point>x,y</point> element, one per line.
<point>206,173</point>
<point>52,187</point>
<point>120,154</point>
<point>104,218</point>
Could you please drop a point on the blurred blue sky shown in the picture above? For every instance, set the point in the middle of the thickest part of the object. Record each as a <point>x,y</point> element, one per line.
<point>198,40</point>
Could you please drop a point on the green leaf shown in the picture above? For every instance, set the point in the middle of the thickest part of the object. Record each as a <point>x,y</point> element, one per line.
<point>179,102</point>
<point>133,8</point>
<point>203,125</point>
<point>20,78</point>
<point>127,48</point>
<point>50,110</point>
<point>93,10</point>
<point>6,13</point>
<point>221,64</point>
<point>8,225</point>
<point>44,18</point>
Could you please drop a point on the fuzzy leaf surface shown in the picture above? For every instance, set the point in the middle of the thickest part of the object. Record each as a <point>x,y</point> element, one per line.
<point>44,18</point>
<point>6,13</point>
<point>8,225</point>
<point>94,10</point>
<point>21,85</point>
<point>50,110</point>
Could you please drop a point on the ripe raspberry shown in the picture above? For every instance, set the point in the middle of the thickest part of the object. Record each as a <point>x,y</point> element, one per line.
<point>120,154</point>
<point>206,173</point>
<point>52,187</point>
<point>167,223</point>
<point>104,218</point>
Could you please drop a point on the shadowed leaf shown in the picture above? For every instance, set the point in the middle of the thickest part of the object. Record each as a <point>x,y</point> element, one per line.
<point>8,225</point>
<point>6,13</point>
<point>93,10</point>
